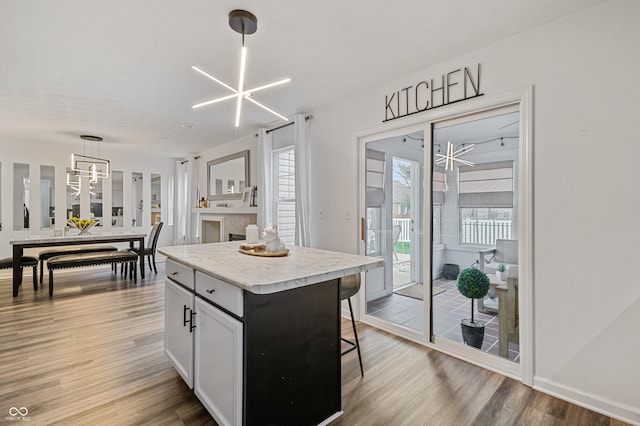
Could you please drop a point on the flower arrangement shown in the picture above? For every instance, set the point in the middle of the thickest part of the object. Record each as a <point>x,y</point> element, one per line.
<point>82,225</point>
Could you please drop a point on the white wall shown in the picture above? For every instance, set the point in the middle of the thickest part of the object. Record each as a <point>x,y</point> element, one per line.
<point>37,153</point>
<point>584,70</point>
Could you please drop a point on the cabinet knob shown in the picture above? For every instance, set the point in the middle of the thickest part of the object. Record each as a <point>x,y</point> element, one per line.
<point>174,273</point>
<point>210,291</point>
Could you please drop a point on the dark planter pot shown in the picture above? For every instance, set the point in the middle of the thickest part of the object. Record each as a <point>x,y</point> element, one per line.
<point>473,332</point>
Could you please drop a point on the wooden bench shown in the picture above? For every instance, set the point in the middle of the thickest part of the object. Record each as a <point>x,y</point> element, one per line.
<point>60,251</point>
<point>89,259</point>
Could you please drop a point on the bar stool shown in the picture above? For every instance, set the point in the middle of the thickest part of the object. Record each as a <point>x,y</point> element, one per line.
<point>349,286</point>
<point>25,261</point>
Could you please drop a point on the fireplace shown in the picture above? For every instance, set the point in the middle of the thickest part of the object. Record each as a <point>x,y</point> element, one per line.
<point>217,227</point>
<point>212,230</point>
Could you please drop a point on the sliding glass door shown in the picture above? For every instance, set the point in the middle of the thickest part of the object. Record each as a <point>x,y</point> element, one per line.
<point>448,201</point>
<point>475,161</point>
<point>473,182</point>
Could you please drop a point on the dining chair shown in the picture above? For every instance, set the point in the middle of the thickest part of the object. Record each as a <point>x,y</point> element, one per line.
<point>25,261</point>
<point>152,243</point>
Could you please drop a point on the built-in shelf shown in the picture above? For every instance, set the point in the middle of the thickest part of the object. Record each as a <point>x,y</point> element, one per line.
<point>226,210</point>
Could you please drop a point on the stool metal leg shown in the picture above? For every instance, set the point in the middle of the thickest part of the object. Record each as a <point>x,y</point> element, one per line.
<point>354,345</point>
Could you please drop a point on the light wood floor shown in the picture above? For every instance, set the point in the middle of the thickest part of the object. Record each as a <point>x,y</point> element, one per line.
<point>93,355</point>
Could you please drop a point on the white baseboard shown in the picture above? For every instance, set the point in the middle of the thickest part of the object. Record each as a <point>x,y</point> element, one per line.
<point>597,403</point>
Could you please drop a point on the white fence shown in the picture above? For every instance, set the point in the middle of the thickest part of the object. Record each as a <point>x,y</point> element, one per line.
<point>471,232</point>
<point>484,231</point>
<point>405,229</point>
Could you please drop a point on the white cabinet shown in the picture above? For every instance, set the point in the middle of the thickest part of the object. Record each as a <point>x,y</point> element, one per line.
<point>203,342</point>
<point>218,363</point>
<point>178,329</point>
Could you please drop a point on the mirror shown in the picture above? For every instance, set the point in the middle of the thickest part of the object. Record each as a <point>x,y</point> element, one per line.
<point>136,199</point>
<point>227,177</point>
<point>117,180</point>
<point>155,198</point>
<point>47,196</point>
<point>95,208</point>
<point>21,206</point>
<point>73,195</point>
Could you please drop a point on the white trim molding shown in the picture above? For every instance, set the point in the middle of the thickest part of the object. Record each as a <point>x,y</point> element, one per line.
<point>597,403</point>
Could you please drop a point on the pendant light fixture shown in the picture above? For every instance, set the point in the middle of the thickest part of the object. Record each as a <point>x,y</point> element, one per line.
<point>242,22</point>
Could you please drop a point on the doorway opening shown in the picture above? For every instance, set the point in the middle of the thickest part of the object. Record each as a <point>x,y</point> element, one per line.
<point>394,200</point>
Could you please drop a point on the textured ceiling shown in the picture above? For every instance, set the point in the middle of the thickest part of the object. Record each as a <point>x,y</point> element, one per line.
<point>122,69</point>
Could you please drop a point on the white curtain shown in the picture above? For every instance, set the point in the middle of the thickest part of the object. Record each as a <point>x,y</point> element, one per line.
<point>301,142</point>
<point>194,191</point>
<point>265,179</point>
<point>187,191</point>
<point>180,230</point>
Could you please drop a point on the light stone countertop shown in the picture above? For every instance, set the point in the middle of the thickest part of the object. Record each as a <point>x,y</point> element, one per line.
<point>261,275</point>
<point>74,237</point>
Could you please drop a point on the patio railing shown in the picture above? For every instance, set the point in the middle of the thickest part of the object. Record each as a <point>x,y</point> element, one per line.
<point>405,226</point>
<point>484,231</point>
<point>472,232</point>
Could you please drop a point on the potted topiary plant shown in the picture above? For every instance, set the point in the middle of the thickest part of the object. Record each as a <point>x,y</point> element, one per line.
<point>501,271</point>
<point>474,284</point>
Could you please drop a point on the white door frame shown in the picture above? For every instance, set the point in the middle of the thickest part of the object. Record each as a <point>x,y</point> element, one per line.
<point>523,97</point>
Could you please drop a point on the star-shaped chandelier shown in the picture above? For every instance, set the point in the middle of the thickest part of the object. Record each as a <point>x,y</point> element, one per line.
<point>242,22</point>
<point>454,155</point>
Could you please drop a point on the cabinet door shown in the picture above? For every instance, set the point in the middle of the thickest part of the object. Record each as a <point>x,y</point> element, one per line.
<point>218,363</point>
<point>178,335</point>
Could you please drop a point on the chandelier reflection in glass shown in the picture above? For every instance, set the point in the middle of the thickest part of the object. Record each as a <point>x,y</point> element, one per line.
<point>453,155</point>
<point>83,165</point>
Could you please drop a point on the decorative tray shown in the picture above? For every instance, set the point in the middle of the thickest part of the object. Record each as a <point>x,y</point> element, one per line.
<point>264,253</point>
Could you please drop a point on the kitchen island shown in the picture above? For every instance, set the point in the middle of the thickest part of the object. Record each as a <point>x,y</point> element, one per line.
<point>258,338</point>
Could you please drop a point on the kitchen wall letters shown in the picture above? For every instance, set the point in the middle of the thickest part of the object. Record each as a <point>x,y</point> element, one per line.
<point>454,86</point>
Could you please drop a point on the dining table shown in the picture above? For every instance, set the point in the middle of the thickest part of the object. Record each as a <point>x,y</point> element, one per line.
<point>31,241</point>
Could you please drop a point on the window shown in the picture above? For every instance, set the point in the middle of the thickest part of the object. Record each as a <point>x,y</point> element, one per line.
<point>485,199</point>
<point>284,167</point>
<point>373,228</point>
<point>436,232</point>
<point>485,225</point>
<point>374,200</point>
<point>439,182</point>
